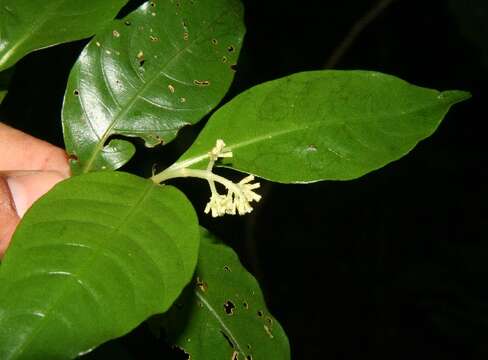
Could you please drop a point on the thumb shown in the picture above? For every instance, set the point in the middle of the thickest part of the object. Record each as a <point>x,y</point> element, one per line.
<point>18,191</point>
<point>29,186</point>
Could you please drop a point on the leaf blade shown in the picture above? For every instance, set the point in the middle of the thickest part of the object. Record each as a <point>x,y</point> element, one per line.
<point>158,70</point>
<point>85,264</point>
<point>223,311</point>
<point>29,25</point>
<point>323,125</point>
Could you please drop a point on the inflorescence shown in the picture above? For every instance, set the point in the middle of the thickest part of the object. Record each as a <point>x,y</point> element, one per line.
<point>239,195</point>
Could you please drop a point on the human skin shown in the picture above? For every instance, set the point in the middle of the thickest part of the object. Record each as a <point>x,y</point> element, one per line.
<point>29,167</point>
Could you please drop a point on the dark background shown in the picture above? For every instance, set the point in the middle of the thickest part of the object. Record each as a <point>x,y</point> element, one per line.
<point>393,265</point>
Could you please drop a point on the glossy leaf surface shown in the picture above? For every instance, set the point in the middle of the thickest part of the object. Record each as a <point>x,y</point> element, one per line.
<point>91,260</point>
<point>28,25</point>
<point>222,314</point>
<point>163,67</point>
<point>323,125</point>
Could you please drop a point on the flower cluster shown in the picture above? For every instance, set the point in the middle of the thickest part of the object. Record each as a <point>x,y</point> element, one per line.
<point>238,197</point>
<point>237,200</point>
<point>219,151</point>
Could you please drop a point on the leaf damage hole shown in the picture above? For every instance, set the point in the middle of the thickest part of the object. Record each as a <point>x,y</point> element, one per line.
<point>245,305</point>
<point>229,307</point>
<point>268,331</point>
<point>159,139</point>
<point>202,285</point>
<point>233,67</point>
<point>153,38</point>
<point>229,341</point>
<point>235,356</point>
<point>127,23</point>
<point>231,48</point>
<point>76,92</point>
<point>224,59</point>
<point>171,88</point>
<point>269,321</point>
<point>186,36</point>
<point>152,4</point>
<point>260,313</point>
<point>73,158</point>
<point>201,82</point>
<point>140,58</point>
<point>248,357</point>
<point>215,41</point>
<point>115,34</point>
<point>227,268</point>
<point>311,148</point>
<point>181,353</point>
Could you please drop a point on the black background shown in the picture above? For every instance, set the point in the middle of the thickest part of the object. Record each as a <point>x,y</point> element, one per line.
<point>392,265</point>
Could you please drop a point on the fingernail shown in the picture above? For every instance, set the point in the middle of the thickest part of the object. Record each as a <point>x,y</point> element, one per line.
<point>19,196</point>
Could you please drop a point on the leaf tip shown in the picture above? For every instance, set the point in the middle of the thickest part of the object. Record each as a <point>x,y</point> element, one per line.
<point>454,96</point>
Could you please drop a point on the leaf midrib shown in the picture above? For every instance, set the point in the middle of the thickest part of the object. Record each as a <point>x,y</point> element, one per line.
<point>36,25</point>
<point>137,94</point>
<point>92,258</point>
<point>220,321</point>
<point>199,158</point>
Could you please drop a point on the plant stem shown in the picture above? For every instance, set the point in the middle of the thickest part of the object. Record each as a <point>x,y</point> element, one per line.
<point>200,174</point>
<point>355,31</point>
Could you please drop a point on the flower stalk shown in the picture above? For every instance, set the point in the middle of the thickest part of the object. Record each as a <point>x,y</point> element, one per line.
<point>239,195</point>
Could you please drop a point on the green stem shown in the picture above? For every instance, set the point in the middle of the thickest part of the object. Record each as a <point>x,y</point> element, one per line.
<point>200,174</point>
<point>211,183</point>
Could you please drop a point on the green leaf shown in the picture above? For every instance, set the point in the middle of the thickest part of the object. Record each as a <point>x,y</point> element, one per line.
<point>5,77</point>
<point>28,25</point>
<point>163,67</point>
<point>322,125</point>
<point>91,260</point>
<point>223,312</point>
